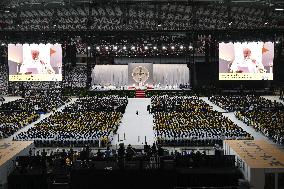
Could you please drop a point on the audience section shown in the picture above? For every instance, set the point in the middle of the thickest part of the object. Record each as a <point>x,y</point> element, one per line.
<point>240,103</point>
<point>17,114</point>
<point>90,121</point>
<point>263,115</point>
<point>189,121</point>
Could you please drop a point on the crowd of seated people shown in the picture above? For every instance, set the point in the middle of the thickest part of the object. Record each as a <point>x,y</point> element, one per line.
<point>39,104</point>
<point>109,103</point>
<point>10,122</point>
<point>3,79</point>
<point>181,120</point>
<point>31,88</point>
<point>16,114</point>
<point>88,120</point>
<point>268,122</point>
<point>241,103</point>
<point>75,77</point>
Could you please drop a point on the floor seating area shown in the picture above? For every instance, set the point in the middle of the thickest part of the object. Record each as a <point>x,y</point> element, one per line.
<point>87,121</point>
<point>188,120</point>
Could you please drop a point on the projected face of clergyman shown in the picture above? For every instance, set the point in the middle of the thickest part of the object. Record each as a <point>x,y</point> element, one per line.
<point>247,52</point>
<point>35,54</point>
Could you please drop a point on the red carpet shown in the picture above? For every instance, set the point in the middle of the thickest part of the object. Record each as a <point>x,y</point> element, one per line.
<point>140,94</point>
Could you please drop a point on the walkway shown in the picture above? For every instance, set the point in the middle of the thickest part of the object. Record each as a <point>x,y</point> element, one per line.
<point>215,107</point>
<point>134,128</point>
<point>11,98</point>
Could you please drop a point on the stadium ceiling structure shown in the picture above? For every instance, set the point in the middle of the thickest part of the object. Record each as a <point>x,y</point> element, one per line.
<point>141,15</point>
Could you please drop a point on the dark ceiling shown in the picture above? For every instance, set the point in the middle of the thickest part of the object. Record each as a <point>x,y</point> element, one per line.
<point>132,15</point>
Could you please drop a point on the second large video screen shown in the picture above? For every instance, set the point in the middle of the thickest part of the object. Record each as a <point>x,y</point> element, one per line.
<point>246,61</point>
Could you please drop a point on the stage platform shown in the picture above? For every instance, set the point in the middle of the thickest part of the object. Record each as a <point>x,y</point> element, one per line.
<point>131,93</point>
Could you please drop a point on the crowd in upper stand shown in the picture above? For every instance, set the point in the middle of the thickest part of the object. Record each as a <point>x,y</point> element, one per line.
<point>89,119</point>
<point>247,102</point>
<point>186,118</point>
<point>31,88</point>
<point>75,76</point>
<point>3,79</point>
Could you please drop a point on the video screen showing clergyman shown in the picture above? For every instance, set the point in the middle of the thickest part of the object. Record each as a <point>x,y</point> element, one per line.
<point>246,61</point>
<point>35,62</point>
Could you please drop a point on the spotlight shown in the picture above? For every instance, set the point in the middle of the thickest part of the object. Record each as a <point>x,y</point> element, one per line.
<point>106,48</point>
<point>172,47</point>
<point>132,48</point>
<point>190,47</point>
<point>89,47</point>
<point>164,48</point>
<point>146,47</point>
<point>115,48</point>
<point>124,47</point>
<point>230,23</point>
<point>155,48</point>
<point>181,47</point>
<point>265,23</point>
<point>98,48</point>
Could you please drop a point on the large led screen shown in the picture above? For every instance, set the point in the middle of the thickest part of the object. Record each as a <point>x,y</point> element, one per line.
<point>35,62</point>
<point>246,61</point>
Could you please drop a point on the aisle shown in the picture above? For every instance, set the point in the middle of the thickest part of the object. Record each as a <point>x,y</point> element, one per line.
<point>43,116</point>
<point>11,98</point>
<point>135,127</point>
<point>215,107</point>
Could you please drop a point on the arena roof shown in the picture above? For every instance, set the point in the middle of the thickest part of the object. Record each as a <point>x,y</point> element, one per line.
<point>39,15</point>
